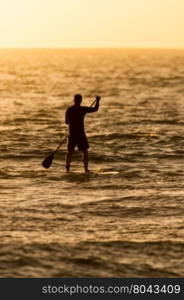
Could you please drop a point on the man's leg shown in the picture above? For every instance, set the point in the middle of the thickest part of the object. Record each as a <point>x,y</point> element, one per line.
<point>85,160</point>
<point>68,160</point>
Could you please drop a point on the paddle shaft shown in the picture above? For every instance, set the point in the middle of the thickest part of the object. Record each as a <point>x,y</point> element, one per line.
<point>62,142</point>
<point>93,103</point>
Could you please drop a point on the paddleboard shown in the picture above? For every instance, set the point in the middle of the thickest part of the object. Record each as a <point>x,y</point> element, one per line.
<point>93,172</point>
<point>108,172</point>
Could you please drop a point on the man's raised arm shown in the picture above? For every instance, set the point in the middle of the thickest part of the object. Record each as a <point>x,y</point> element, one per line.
<point>95,108</point>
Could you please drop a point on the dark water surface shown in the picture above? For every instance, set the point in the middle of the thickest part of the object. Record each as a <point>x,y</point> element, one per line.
<point>126,218</point>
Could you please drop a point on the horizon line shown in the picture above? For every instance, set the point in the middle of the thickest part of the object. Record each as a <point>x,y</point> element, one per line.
<point>93,47</point>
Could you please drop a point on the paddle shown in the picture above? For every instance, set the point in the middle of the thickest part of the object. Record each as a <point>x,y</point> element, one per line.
<point>48,160</point>
<point>93,103</point>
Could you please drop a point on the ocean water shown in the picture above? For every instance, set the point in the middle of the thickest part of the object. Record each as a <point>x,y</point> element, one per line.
<point>126,218</point>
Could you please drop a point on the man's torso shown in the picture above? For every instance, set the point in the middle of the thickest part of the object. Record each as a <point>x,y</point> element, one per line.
<point>75,117</point>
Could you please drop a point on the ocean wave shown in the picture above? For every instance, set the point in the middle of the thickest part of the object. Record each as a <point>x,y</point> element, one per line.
<point>92,259</point>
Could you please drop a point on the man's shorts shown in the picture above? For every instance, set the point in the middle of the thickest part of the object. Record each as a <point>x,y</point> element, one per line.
<point>78,140</point>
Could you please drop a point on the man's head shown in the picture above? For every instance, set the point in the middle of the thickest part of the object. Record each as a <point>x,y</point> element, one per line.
<point>77,99</point>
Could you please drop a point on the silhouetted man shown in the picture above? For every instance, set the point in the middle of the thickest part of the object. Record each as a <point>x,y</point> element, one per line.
<point>75,119</point>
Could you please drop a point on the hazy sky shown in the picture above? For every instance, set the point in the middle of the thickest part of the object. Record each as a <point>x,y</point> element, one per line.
<point>92,23</point>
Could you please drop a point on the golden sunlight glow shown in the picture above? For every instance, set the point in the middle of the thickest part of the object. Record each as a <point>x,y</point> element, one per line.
<point>92,23</point>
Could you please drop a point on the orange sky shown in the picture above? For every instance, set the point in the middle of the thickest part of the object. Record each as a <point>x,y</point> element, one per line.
<point>92,23</point>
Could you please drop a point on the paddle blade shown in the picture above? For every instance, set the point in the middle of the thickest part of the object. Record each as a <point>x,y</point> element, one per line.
<point>48,161</point>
